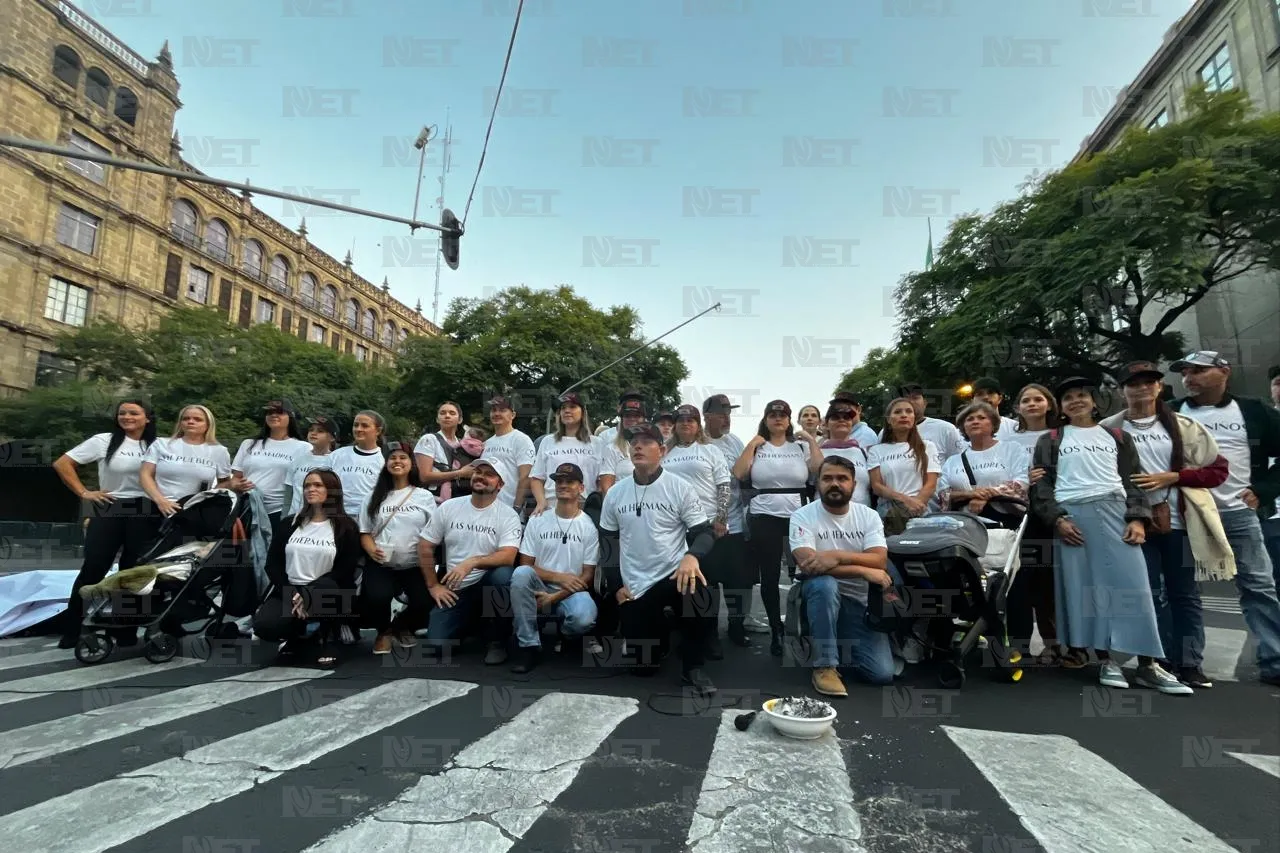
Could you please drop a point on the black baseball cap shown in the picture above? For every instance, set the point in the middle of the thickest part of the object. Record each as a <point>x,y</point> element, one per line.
<point>1073,382</point>
<point>846,397</point>
<point>690,412</point>
<point>630,395</point>
<point>910,388</point>
<point>1138,370</point>
<point>568,472</point>
<point>500,402</point>
<point>778,407</point>
<point>325,424</point>
<point>631,405</point>
<point>665,416</point>
<point>987,383</point>
<point>571,399</point>
<point>718,404</point>
<point>393,446</point>
<point>645,430</point>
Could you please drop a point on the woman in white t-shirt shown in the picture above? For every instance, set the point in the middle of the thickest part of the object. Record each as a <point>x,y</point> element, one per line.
<point>995,468</point>
<point>571,442</point>
<point>322,439</point>
<point>121,519</point>
<point>904,468</point>
<point>190,462</point>
<point>1181,464</point>
<point>312,566</point>
<point>1099,514</point>
<point>359,464</point>
<point>263,463</point>
<point>390,523</point>
<point>840,442</point>
<point>777,457</point>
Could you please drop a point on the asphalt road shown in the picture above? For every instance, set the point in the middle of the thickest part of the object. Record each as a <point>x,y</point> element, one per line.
<point>232,754</point>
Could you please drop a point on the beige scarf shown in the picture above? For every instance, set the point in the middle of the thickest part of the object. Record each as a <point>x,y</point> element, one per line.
<point>1215,561</point>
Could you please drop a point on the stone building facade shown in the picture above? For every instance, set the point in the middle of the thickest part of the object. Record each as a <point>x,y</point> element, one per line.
<point>1226,43</point>
<point>81,241</point>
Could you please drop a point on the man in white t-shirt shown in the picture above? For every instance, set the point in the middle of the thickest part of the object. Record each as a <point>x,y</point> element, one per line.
<point>942,433</point>
<point>840,547</point>
<point>1248,435</point>
<point>558,560</point>
<point>481,539</point>
<point>665,535</point>
<point>512,445</point>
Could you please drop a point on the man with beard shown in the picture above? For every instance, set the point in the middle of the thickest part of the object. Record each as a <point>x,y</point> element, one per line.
<point>839,547</point>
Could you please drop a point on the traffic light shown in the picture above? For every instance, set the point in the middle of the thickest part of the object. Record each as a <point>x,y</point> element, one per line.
<point>449,238</point>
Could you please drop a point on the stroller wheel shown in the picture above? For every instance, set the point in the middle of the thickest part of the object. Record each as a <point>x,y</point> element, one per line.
<point>951,674</point>
<point>94,648</point>
<point>1015,675</point>
<point>160,648</point>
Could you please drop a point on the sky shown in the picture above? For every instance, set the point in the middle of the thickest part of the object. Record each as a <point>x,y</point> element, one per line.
<point>783,159</point>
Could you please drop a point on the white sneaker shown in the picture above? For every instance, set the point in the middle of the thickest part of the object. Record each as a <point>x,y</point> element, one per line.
<point>1112,675</point>
<point>1155,677</point>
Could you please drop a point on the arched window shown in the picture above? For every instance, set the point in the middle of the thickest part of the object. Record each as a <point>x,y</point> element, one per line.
<point>278,279</point>
<point>217,240</point>
<point>404,335</point>
<point>352,315</point>
<point>66,66</point>
<point>307,289</point>
<point>369,327</point>
<point>329,301</point>
<point>126,105</point>
<point>184,222</point>
<point>389,335</point>
<point>253,254</point>
<point>97,87</point>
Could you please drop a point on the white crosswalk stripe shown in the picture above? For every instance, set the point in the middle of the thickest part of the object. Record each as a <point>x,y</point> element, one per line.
<point>757,790</point>
<point>1221,604</point>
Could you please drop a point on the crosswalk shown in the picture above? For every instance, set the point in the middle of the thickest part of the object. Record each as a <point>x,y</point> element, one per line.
<point>1229,604</point>
<point>293,759</point>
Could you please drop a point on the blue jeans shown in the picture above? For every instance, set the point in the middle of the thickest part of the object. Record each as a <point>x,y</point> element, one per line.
<point>837,623</point>
<point>1257,585</point>
<point>490,597</point>
<point>1271,532</point>
<point>1171,570</point>
<point>577,610</point>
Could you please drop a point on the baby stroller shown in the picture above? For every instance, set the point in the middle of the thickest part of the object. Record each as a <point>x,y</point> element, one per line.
<point>957,569</point>
<point>198,571</point>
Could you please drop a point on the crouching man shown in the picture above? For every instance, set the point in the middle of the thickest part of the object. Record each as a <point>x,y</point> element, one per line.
<point>558,560</point>
<point>839,548</point>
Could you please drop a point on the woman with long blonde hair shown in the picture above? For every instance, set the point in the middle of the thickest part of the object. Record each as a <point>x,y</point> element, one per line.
<point>187,463</point>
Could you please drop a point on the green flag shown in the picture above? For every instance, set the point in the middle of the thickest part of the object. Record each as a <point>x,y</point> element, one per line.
<point>928,255</point>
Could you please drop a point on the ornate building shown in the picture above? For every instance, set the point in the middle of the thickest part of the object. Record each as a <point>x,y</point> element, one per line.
<point>80,240</point>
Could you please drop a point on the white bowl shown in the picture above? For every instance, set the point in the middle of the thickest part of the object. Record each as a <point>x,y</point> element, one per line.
<point>801,728</point>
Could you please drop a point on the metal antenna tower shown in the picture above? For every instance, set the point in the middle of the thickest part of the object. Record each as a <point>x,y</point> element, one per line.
<point>446,161</point>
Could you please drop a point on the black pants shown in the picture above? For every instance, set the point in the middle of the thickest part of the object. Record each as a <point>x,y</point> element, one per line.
<point>324,600</point>
<point>645,627</point>
<point>380,585</point>
<point>1031,599</point>
<point>769,539</point>
<point>726,567</point>
<point>127,527</point>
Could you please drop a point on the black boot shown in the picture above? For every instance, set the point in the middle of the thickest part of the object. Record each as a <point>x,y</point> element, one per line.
<point>738,633</point>
<point>775,643</point>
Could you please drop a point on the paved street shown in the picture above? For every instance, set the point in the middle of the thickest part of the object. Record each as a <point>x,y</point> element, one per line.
<point>235,755</point>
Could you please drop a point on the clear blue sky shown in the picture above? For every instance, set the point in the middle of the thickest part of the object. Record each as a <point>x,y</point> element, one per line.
<point>1042,72</point>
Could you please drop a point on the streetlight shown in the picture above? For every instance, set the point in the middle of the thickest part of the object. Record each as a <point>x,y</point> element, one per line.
<point>965,390</point>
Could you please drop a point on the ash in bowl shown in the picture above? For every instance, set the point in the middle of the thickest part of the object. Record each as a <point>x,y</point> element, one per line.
<point>803,708</point>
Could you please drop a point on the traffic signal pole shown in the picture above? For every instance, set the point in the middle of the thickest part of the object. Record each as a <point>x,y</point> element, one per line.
<point>450,232</point>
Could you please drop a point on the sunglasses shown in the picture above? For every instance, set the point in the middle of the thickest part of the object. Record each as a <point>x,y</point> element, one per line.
<point>841,415</point>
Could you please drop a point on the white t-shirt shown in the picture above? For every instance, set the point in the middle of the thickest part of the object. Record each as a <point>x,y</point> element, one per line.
<point>302,465</point>
<point>944,435</point>
<point>1088,464</point>
<point>429,445</point>
<point>1155,454</point>
<point>731,446</point>
<point>860,529</point>
<point>403,515</point>
<point>358,470</point>
<point>119,477</point>
<point>184,469</point>
<point>1226,424</point>
<point>991,467</point>
<point>615,461</point>
<point>267,466</point>
<point>553,453</point>
<point>702,466</point>
<point>1026,440</point>
<point>785,467</point>
<point>654,542</point>
<point>561,545</point>
<point>862,477</point>
<point>310,552</point>
<point>470,532</point>
<point>517,449</point>
<point>898,466</point>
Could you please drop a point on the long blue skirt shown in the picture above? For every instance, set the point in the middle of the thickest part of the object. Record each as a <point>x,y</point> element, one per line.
<point>1103,593</point>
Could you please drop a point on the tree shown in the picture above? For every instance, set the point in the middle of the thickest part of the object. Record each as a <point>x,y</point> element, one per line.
<point>531,345</point>
<point>1093,264</point>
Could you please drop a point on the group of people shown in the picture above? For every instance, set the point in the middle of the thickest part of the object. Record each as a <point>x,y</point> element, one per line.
<point>486,532</point>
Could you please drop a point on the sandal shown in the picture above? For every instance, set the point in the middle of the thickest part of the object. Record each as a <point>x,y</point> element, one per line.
<point>1075,659</point>
<point>326,658</point>
<point>1049,657</point>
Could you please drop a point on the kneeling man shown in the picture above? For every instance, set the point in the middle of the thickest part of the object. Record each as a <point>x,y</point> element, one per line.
<point>558,560</point>
<point>839,547</point>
